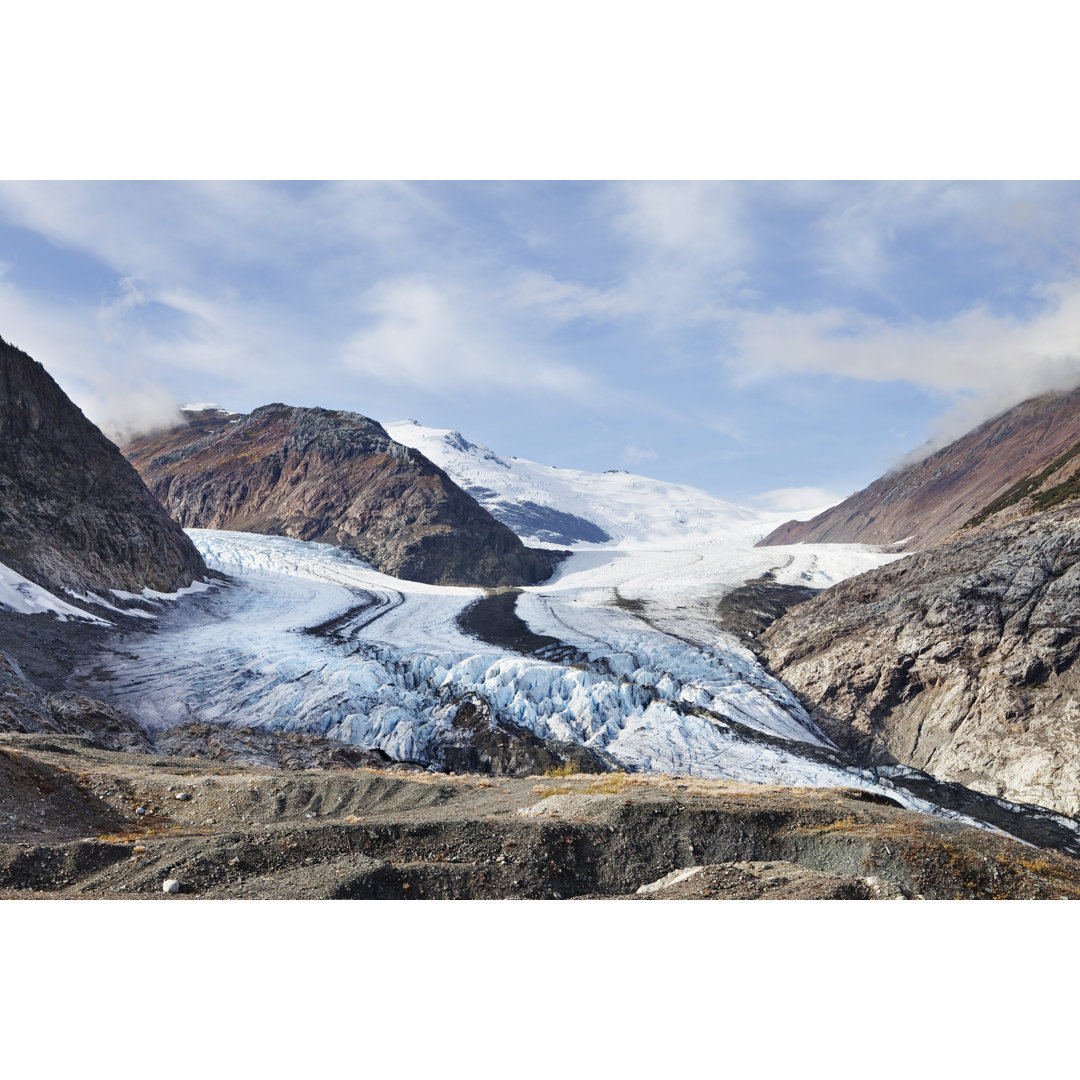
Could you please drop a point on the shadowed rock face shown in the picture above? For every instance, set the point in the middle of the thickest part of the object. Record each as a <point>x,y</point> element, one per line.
<point>1025,459</point>
<point>959,661</point>
<point>73,512</point>
<point>26,708</point>
<point>338,478</point>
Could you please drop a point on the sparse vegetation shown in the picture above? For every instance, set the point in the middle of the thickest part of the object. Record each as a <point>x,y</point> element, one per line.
<point>1029,486</point>
<point>567,768</point>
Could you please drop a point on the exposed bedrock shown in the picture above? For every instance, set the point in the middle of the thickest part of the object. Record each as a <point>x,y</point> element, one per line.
<point>959,661</point>
<point>73,513</point>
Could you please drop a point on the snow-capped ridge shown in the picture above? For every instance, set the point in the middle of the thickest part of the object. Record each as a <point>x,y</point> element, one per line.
<point>567,507</point>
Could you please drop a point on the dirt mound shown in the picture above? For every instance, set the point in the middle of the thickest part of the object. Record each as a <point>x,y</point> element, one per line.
<point>765,881</point>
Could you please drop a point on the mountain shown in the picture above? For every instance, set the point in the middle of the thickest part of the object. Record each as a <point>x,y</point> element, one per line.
<point>959,660</point>
<point>334,477</point>
<point>1026,459</point>
<point>569,507</point>
<point>73,513</point>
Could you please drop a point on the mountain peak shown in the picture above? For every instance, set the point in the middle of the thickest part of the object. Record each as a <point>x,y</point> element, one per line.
<point>336,477</point>
<point>1024,459</point>
<point>74,513</point>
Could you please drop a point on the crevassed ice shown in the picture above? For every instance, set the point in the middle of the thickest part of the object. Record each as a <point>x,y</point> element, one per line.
<point>240,655</point>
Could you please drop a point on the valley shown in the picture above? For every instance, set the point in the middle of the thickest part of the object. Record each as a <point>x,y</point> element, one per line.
<point>420,631</point>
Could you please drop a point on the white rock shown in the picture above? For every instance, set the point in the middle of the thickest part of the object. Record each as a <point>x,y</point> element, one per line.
<point>182,796</point>
<point>171,886</point>
<point>670,879</point>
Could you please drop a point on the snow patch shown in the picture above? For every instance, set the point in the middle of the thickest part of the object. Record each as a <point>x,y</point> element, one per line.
<point>674,878</point>
<point>23,596</point>
<point>154,596</point>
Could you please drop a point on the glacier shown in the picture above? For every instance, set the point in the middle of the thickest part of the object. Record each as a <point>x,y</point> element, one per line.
<point>304,637</point>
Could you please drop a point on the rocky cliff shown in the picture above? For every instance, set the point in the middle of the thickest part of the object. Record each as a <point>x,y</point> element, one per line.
<point>959,660</point>
<point>338,478</point>
<point>1024,460</point>
<point>73,513</point>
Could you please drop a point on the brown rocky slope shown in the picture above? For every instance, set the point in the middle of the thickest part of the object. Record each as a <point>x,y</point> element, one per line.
<point>1027,458</point>
<point>959,660</point>
<point>338,478</point>
<point>73,513</point>
<point>77,821</point>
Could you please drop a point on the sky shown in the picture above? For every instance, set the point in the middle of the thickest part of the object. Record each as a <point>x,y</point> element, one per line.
<point>780,344</point>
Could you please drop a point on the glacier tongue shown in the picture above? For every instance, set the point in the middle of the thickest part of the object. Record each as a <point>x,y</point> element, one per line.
<point>388,662</point>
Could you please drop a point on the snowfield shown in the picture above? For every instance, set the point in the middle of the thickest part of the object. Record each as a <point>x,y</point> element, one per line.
<point>391,661</point>
<point>567,507</point>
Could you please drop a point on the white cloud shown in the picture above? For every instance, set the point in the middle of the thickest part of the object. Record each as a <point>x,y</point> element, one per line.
<point>563,301</point>
<point>167,234</point>
<point>108,384</point>
<point>796,500</point>
<point>435,336</point>
<point>634,453</point>
<point>112,313</point>
<point>690,220</point>
<point>124,410</point>
<point>975,350</point>
<point>689,244</point>
<point>984,361</point>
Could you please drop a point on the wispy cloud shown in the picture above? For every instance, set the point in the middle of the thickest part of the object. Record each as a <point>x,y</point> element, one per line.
<point>688,245</point>
<point>633,453</point>
<point>796,500</point>
<point>999,358</point>
<point>594,312</point>
<point>563,301</point>
<point>112,390</point>
<point>435,336</point>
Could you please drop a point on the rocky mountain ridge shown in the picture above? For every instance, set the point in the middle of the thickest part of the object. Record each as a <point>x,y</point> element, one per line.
<point>959,660</point>
<point>1024,460</point>
<point>73,513</point>
<point>334,477</point>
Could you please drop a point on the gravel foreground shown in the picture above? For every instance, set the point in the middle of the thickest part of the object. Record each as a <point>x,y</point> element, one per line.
<point>78,821</point>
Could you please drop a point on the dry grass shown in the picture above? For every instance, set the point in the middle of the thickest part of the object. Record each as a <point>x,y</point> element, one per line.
<point>847,824</point>
<point>475,779</point>
<point>609,784</point>
<point>547,792</point>
<point>568,768</point>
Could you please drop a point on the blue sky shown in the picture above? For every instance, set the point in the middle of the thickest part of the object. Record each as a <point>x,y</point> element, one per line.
<point>747,338</point>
